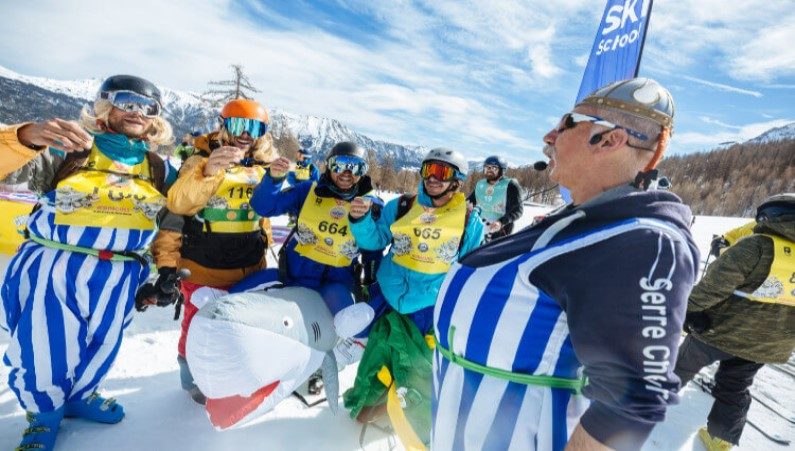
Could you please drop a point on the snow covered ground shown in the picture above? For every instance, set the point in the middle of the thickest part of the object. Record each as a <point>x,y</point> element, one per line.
<point>160,416</point>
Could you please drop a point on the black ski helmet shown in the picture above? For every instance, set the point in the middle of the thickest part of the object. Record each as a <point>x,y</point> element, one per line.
<point>496,160</point>
<point>346,148</point>
<point>132,83</point>
<point>777,205</point>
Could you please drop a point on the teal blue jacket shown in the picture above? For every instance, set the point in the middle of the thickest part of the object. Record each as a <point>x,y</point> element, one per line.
<point>407,291</point>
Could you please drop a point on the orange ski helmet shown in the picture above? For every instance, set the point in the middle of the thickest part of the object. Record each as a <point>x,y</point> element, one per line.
<point>245,109</point>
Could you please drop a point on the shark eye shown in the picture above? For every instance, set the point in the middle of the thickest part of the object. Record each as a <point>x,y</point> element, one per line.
<point>288,322</point>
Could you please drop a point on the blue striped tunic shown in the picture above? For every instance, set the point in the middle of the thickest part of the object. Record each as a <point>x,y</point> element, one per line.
<point>66,311</point>
<point>494,316</point>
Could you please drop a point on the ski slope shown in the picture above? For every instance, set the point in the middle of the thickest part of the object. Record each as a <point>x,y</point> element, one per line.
<point>160,416</point>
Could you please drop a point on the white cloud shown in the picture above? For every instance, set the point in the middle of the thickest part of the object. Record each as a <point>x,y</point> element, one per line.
<point>706,141</point>
<point>710,120</point>
<point>723,87</point>
<point>745,40</point>
<point>769,54</point>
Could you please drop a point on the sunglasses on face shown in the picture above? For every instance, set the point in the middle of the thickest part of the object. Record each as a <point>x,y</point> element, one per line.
<point>132,102</point>
<point>570,120</point>
<point>236,126</point>
<point>341,163</point>
<point>439,171</point>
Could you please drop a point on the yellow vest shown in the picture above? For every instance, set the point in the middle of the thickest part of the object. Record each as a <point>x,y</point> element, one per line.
<point>779,287</point>
<point>107,193</point>
<point>228,210</point>
<point>426,239</point>
<point>323,231</point>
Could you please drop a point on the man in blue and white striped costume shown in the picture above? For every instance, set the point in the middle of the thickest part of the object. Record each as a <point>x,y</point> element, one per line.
<point>590,300</point>
<point>69,291</point>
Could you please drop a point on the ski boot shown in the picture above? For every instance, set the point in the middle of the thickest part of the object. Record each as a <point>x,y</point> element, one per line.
<point>41,431</point>
<point>315,384</point>
<point>95,408</point>
<point>713,443</point>
<point>186,380</point>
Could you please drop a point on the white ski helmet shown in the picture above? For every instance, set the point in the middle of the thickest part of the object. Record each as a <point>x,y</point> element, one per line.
<point>451,157</point>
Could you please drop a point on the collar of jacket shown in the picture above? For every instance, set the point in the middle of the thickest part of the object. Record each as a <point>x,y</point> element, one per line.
<point>326,188</point>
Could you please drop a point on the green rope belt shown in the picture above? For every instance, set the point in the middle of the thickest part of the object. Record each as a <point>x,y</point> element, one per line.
<point>218,214</point>
<point>114,256</point>
<point>574,385</point>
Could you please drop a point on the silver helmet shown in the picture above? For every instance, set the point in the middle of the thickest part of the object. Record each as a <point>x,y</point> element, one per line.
<point>642,97</point>
<point>451,157</point>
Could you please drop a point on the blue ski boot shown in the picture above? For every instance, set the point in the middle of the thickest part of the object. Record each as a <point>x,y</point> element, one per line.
<point>95,408</point>
<point>41,431</point>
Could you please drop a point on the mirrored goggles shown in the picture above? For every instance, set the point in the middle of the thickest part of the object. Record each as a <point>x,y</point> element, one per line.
<point>570,120</point>
<point>440,171</point>
<point>132,102</point>
<point>342,163</point>
<point>236,126</point>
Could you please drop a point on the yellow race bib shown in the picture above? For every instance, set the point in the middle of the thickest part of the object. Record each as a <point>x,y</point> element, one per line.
<point>426,239</point>
<point>228,210</point>
<point>323,231</point>
<point>107,193</point>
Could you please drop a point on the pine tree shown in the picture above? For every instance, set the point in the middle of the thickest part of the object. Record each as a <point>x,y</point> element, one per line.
<point>222,91</point>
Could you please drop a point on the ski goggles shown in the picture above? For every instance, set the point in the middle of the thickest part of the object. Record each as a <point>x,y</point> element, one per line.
<point>342,163</point>
<point>570,120</point>
<point>440,171</point>
<point>236,126</point>
<point>132,102</point>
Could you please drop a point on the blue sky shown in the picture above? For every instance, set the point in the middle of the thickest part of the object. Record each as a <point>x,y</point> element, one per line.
<point>482,77</point>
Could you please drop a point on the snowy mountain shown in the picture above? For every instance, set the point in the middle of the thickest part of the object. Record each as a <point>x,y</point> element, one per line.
<point>776,134</point>
<point>26,98</point>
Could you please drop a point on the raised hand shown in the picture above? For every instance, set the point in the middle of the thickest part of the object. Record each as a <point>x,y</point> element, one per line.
<point>68,136</point>
<point>359,207</point>
<point>222,158</point>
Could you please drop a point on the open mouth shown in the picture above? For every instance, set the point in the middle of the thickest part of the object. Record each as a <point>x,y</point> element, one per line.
<point>226,412</point>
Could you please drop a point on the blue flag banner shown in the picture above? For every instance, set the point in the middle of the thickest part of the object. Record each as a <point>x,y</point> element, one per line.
<point>618,45</point>
<point>616,50</point>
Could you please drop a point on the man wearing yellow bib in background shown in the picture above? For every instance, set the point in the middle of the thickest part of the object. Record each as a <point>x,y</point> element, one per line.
<point>209,227</point>
<point>69,291</point>
<point>425,233</point>
<point>742,314</point>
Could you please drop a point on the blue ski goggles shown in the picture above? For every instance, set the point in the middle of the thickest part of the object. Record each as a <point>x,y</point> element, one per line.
<point>341,163</point>
<point>132,102</point>
<point>236,126</point>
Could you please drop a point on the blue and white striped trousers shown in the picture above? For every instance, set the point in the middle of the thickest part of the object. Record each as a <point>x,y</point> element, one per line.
<point>65,312</point>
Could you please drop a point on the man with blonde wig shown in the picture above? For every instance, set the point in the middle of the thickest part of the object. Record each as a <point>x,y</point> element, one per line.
<point>564,334</point>
<point>69,290</point>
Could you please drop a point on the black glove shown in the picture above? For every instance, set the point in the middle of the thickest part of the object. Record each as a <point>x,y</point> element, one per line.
<point>718,244</point>
<point>697,322</point>
<point>165,290</point>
